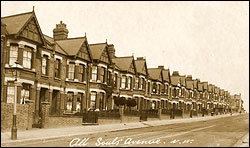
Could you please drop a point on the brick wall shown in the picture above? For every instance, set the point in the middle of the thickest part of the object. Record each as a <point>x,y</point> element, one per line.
<point>127,119</point>
<point>103,120</point>
<point>60,121</point>
<point>24,116</point>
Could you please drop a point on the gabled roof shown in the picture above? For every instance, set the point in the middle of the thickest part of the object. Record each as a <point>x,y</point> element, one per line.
<point>140,64</point>
<point>71,45</point>
<point>195,83</point>
<point>16,22</point>
<point>49,40</point>
<point>175,78</point>
<point>200,86</point>
<point>189,84</point>
<point>123,63</point>
<point>205,85</point>
<point>155,73</point>
<point>210,88</point>
<point>97,49</point>
<point>183,80</point>
<point>166,75</point>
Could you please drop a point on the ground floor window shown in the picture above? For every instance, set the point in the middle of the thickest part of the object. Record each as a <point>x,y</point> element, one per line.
<point>25,93</point>
<point>102,104</point>
<point>153,105</point>
<point>69,102</point>
<point>11,93</point>
<point>79,102</point>
<point>93,96</point>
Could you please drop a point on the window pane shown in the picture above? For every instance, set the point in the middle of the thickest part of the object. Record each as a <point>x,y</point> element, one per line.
<point>10,94</point>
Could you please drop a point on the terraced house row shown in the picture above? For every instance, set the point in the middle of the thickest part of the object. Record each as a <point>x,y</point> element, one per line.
<point>65,81</point>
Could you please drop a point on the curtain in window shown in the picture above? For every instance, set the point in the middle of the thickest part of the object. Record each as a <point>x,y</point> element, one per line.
<point>13,54</point>
<point>94,73</point>
<point>27,59</point>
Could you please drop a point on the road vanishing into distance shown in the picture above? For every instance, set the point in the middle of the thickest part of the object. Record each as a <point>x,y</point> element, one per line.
<point>220,132</point>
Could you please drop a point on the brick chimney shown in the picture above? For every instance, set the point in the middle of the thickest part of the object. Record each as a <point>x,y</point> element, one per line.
<point>161,67</point>
<point>111,50</point>
<point>60,32</point>
<point>175,73</point>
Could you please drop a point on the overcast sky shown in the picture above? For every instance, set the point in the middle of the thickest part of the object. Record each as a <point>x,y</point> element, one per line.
<point>208,40</point>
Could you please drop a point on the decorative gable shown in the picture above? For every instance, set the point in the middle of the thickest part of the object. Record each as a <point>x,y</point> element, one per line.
<point>131,68</point>
<point>104,57</point>
<point>31,31</point>
<point>83,53</point>
<point>144,69</point>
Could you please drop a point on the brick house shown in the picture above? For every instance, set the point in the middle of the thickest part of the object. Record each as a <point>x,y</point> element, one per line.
<point>141,87</point>
<point>190,92</point>
<point>156,82</point>
<point>127,73</point>
<point>166,96</point>
<point>175,89</point>
<point>200,96</point>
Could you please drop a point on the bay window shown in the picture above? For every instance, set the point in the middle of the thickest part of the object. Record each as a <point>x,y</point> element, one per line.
<point>93,100</point>
<point>11,93</point>
<point>13,54</point>
<point>136,83</point>
<point>81,76</point>
<point>79,102</point>
<point>102,74</point>
<point>123,85</point>
<point>45,65</point>
<point>27,59</point>
<point>25,93</point>
<point>69,102</point>
<point>71,71</point>
<point>57,68</point>
<point>94,73</point>
<point>129,82</point>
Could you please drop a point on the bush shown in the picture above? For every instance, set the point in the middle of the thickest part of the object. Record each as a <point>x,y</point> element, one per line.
<point>131,103</point>
<point>120,101</point>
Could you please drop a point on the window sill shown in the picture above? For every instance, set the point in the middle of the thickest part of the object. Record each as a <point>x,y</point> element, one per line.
<point>58,79</point>
<point>44,76</point>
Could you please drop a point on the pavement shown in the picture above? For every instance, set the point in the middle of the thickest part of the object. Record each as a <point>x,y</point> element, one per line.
<point>243,142</point>
<point>54,133</point>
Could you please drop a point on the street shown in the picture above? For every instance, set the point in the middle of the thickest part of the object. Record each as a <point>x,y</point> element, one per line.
<point>222,132</point>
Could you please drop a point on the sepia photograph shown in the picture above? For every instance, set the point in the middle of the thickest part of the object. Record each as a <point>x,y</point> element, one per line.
<point>124,73</point>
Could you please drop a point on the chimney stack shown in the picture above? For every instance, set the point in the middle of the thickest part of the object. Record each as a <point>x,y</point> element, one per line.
<point>161,67</point>
<point>60,32</point>
<point>140,58</point>
<point>111,50</point>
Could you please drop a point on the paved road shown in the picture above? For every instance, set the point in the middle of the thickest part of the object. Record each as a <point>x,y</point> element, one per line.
<point>223,132</point>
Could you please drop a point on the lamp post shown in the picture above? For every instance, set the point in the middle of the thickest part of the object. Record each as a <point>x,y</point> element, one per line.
<point>14,128</point>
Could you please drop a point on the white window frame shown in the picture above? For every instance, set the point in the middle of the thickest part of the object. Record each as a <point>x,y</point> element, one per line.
<point>13,54</point>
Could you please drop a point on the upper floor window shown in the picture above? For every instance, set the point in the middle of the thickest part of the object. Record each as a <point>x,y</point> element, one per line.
<point>166,88</point>
<point>71,70</point>
<point>158,88</point>
<point>94,73</point>
<point>81,73</point>
<point>102,74</point>
<point>129,82</point>
<point>148,87</point>
<point>123,84</point>
<point>154,88</point>
<point>45,65</point>
<point>13,54</point>
<point>163,88</point>
<point>27,59</point>
<point>57,68</point>
<point>115,79</point>
<point>136,83</point>
<point>141,83</point>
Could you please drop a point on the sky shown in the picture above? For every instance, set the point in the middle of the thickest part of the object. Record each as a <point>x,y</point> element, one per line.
<point>208,40</point>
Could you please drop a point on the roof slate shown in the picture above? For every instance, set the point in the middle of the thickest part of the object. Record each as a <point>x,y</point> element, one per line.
<point>71,45</point>
<point>97,50</point>
<point>166,76</point>
<point>154,73</point>
<point>16,22</point>
<point>123,62</point>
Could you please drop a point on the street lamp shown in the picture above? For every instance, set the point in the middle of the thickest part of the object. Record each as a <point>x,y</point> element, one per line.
<point>15,73</point>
